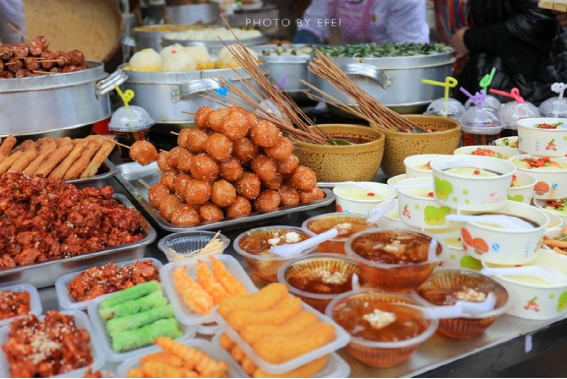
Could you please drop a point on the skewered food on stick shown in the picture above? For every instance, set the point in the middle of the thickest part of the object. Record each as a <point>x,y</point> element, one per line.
<point>143,152</point>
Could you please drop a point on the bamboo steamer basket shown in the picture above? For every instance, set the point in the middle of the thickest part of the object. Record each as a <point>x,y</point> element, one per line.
<point>92,26</point>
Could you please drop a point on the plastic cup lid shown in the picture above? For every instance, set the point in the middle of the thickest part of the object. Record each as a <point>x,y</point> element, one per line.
<point>511,112</point>
<point>130,119</point>
<point>554,107</point>
<point>481,121</point>
<point>450,108</point>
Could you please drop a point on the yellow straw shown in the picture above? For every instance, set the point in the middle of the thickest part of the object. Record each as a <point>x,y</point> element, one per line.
<point>450,82</point>
<point>126,96</point>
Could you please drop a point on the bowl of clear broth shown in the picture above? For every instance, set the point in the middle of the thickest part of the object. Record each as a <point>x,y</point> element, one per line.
<point>362,198</point>
<point>472,183</point>
<point>352,153</point>
<point>385,328</point>
<point>318,279</point>
<point>496,244</point>
<point>391,259</point>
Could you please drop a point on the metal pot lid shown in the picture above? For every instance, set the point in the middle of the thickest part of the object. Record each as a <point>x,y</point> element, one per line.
<point>401,63</point>
<point>160,77</point>
<point>94,73</point>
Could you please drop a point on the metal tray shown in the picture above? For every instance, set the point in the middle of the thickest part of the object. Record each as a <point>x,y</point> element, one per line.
<point>130,173</point>
<point>46,273</point>
<point>106,171</point>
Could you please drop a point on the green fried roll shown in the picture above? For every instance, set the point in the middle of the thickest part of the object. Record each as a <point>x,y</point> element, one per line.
<point>145,336</point>
<point>121,324</point>
<point>132,307</point>
<point>129,294</point>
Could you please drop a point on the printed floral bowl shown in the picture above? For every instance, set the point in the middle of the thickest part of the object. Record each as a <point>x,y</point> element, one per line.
<point>538,141</point>
<point>511,142</point>
<point>418,207</point>
<point>392,220</point>
<point>551,180</point>
<point>396,179</point>
<point>351,198</point>
<point>534,298</point>
<point>453,255</point>
<point>472,183</point>
<point>522,187</point>
<point>418,165</point>
<point>495,244</point>
<point>501,152</point>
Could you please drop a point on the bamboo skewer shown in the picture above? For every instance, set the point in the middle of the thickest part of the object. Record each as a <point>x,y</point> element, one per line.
<point>111,140</point>
<point>174,133</point>
<point>142,182</point>
<point>20,33</point>
<point>191,113</point>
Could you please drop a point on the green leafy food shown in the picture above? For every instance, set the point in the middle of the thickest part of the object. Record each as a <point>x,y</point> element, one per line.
<point>381,50</point>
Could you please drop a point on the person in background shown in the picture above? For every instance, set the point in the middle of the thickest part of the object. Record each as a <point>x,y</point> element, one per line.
<point>12,11</point>
<point>515,36</point>
<point>363,21</point>
<point>561,18</point>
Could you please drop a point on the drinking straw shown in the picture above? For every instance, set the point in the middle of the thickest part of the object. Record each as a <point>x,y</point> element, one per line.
<point>486,80</point>
<point>126,96</point>
<point>280,86</point>
<point>514,94</point>
<point>559,88</point>
<point>449,82</point>
<point>478,97</point>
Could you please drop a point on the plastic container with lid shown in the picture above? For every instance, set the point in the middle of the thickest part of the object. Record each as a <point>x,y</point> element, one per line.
<point>481,126</point>
<point>182,245</point>
<point>555,106</point>
<point>130,124</point>
<point>451,108</point>
<point>35,301</point>
<point>513,111</point>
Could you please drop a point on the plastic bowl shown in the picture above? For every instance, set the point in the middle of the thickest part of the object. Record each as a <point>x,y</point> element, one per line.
<point>187,242</point>
<point>395,277</point>
<point>468,192</point>
<point>505,246</point>
<point>453,255</point>
<point>447,281</point>
<point>523,190</point>
<point>322,223</point>
<point>551,183</point>
<point>306,269</point>
<point>511,142</point>
<point>417,165</point>
<point>379,353</point>
<point>267,266</point>
<point>542,142</point>
<point>501,152</point>
<point>347,197</point>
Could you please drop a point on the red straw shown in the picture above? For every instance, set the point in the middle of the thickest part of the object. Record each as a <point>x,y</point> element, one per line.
<point>514,94</point>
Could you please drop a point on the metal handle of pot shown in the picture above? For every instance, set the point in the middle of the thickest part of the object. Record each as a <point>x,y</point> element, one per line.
<point>193,87</point>
<point>107,84</point>
<point>369,71</point>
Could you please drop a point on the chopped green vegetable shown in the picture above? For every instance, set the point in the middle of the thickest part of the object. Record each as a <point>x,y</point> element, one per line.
<point>381,50</point>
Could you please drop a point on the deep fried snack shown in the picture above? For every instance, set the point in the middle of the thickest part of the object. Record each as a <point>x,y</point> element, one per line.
<point>264,167</point>
<point>24,160</point>
<point>103,152</point>
<point>210,213</point>
<point>303,178</point>
<point>46,146</point>
<point>226,279</point>
<point>156,194</point>
<point>306,371</point>
<point>143,152</point>
<point>173,157</point>
<point>162,357</point>
<point>241,207</point>
<point>193,139</point>
<point>289,196</point>
<point>293,326</point>
<point>268,200</point>
<point>185,215</point>
<point>202,116</point>
<point>251,120</point>
<point>264,134</point>
<point>137,372</point>
<point>204,168</point>
<point>219,147</point>
<point>280,349</point>
<point>235,124</point>
<point>162,162</point>
<point>207,280</point>
<point>63,149</point>
<point>289,165</point>
<point>197,192</point>
<point>281,151</point>
<point>80,164</point>
<point>226,342</point>
<point>193,295</point>
<point>179,184</point>
<point>215,119</point>
<point>9,161</point>
<point>249,186</point>
<point>262,300</point>
<point>274,184</point>
<point>248,366</point>
<point>277,315</point>
<point>168,179</point>
<point>206,366</point>
<point>223,193</point>
<point>237,353</point>
<point>184,160</point>
<point>231,170</point>
<point>245,149</point>
<point>162,370</point>
<point>6,147</point>
<point>168,205</point>
<point>313,195</point>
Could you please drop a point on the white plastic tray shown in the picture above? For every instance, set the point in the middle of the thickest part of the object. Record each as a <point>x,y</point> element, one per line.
<point>206,347</point>
<point>182,311</point>
<point>62,285</point>
<point>82,322</point>
<point>35,301</point>
<point>105,342</point>
<point>335,368</point>
<point>342,338</point>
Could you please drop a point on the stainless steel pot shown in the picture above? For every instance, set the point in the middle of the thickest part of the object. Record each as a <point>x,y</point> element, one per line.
<point>52,103</point>
<point>206,14</point>
<point>165,95</point>
<point>146,38</point>
<point>214,46</point>
<point>395,82</point>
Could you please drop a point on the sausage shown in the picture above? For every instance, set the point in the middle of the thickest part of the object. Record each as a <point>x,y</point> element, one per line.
<point>84,66</point>
<point>21,50</point>
<point>23,73</point>
<point>77,57</point>
<point>36,48</point>
<point>56,70</point>
<point>49,57</point>
<point>44,42</point>
<point>15,65</point>
<point>6,51</point>
<point>6,75</point>
<point>70,68</point>
<point>2,66</point>
<point>63,59</point>
<point>32,64</point>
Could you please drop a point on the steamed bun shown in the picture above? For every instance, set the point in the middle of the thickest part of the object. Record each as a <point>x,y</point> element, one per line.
<point>227,60</point>
<point>170,49</point>
<point>179,61</point>
<point>199,53</point>
<point>146,60</point>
